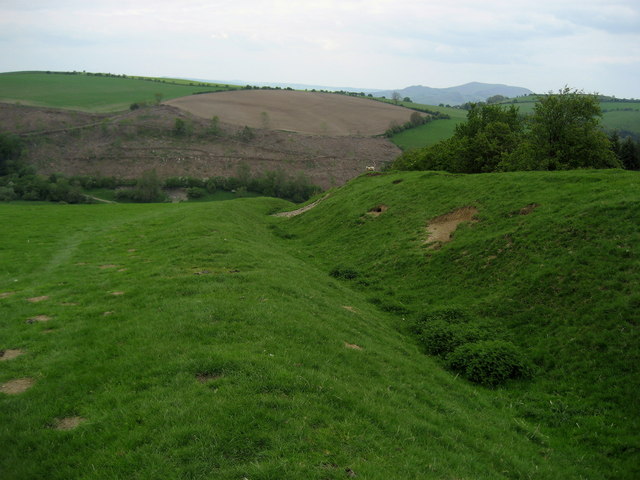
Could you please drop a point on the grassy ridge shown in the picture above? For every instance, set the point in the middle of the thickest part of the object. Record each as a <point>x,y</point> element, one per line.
<point>230,354</point>
<point>88,93</point>
<point>560,282</point>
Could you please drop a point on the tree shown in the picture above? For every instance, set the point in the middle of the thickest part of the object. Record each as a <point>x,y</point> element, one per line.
<point>565,134</point>
<point>10,150</point>
<point>396,97</point>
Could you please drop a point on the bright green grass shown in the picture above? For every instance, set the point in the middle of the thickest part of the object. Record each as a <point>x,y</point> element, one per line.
<point>425,135</point>
<point>87,93</point>
<point>560,282</point>
<point>432,132</point>
<point>210,289</point>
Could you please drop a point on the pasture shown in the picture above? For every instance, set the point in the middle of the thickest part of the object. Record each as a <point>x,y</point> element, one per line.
<point>213,340</point>
<point>89,93</point>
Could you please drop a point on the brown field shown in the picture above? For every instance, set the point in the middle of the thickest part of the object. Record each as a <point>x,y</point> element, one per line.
<point>128,144</point>
<point>312,113</point>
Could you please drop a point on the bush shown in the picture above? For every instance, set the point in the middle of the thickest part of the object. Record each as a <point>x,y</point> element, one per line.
<point>449,314</point>
<point>489,362</point>
<point>7,194</point>
<point>196,192</point>
<point>440,337</point>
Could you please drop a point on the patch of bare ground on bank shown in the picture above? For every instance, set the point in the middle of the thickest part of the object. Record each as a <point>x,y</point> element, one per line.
<point>17,386</point>
<point>302,112</point>
<point>127,144</point>
<point>68,423</point>
<point>440,229</point>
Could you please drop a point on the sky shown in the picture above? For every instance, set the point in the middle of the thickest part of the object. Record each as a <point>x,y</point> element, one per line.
<point>543,45</point>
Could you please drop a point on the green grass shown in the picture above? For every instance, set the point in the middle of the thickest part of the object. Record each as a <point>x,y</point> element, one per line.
<point>430,133</point>
<point>559,282</point>
<point>88,93</point>
<point>224,290</point>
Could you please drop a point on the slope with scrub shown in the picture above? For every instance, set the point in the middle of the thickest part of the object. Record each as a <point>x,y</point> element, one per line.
<point>550,262</point>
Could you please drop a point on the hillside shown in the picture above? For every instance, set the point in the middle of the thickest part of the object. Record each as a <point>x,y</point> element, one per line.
<point>128,144</point>
<point>458,95</point>
<point>217,341</point>
<point>302,112</point>
<point>98,93</point>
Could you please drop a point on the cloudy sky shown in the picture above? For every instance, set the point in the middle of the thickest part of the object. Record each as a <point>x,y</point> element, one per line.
<point>383,44</point>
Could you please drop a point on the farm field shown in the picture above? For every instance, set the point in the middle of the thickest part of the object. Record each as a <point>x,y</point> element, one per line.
<point>302,112</point>
<point>213,340</point>
<point>89,93</point>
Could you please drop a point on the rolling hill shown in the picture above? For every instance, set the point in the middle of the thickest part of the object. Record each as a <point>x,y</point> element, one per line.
<point>215,340</point>
<point>469,92</point>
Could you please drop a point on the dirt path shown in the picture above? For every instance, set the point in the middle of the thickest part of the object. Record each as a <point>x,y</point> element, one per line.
<point>301,210</point>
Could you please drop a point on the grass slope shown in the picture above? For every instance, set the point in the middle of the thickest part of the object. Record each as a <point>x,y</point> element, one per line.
<point>560,282</point>
<point>88,93</point>
<point>224,357</point>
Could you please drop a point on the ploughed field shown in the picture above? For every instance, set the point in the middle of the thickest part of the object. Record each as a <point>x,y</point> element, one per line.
<point>302,112</point>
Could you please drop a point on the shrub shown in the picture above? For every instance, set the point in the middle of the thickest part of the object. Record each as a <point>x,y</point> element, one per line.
<point>449,314</point>
<point>440,337</point>
<point>7,194</point>
<point>196,192</point>
<point>489,362</point>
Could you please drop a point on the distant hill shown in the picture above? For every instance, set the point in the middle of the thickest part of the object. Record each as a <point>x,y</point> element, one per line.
<point>469,92</point>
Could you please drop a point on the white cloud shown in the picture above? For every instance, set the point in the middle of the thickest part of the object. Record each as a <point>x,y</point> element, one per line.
<point>376,43</point>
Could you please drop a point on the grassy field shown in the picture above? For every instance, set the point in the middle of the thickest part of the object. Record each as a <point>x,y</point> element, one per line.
<point>208,340</point>
<point>430,133</point>
<point>89,93</point>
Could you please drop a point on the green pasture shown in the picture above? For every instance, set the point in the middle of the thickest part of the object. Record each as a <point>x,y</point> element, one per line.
<point>210,340</point>
<point>89,93</point>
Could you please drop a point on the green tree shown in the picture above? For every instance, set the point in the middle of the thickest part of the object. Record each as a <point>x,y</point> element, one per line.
<point>10,150</point>
<point>565,134</point>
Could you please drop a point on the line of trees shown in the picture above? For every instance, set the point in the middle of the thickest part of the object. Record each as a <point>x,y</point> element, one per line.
<point>562,133</point>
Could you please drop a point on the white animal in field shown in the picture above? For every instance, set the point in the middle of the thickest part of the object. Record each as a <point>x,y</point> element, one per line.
<point>371,169</point>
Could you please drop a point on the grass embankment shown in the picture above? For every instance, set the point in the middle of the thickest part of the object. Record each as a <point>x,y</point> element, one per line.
<point>90,93</point>
<point>208,340</point>
<point>552,265</point>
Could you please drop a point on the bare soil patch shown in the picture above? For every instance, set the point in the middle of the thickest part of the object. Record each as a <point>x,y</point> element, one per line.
<point>104,267</point>
<point>378,210</point>
<point>14,387</point>
<point>526,210</point>
<point>352,346</point>
<point>302,112</point>
<point>117,293</point>
<point>6,294</point>
<point>441,228</point>
<point>349,308</point>
<point>10,354</point>
<point>208,377</point>
<point>39,318</point>
<point>38,299</point>
<point>68,423</point>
